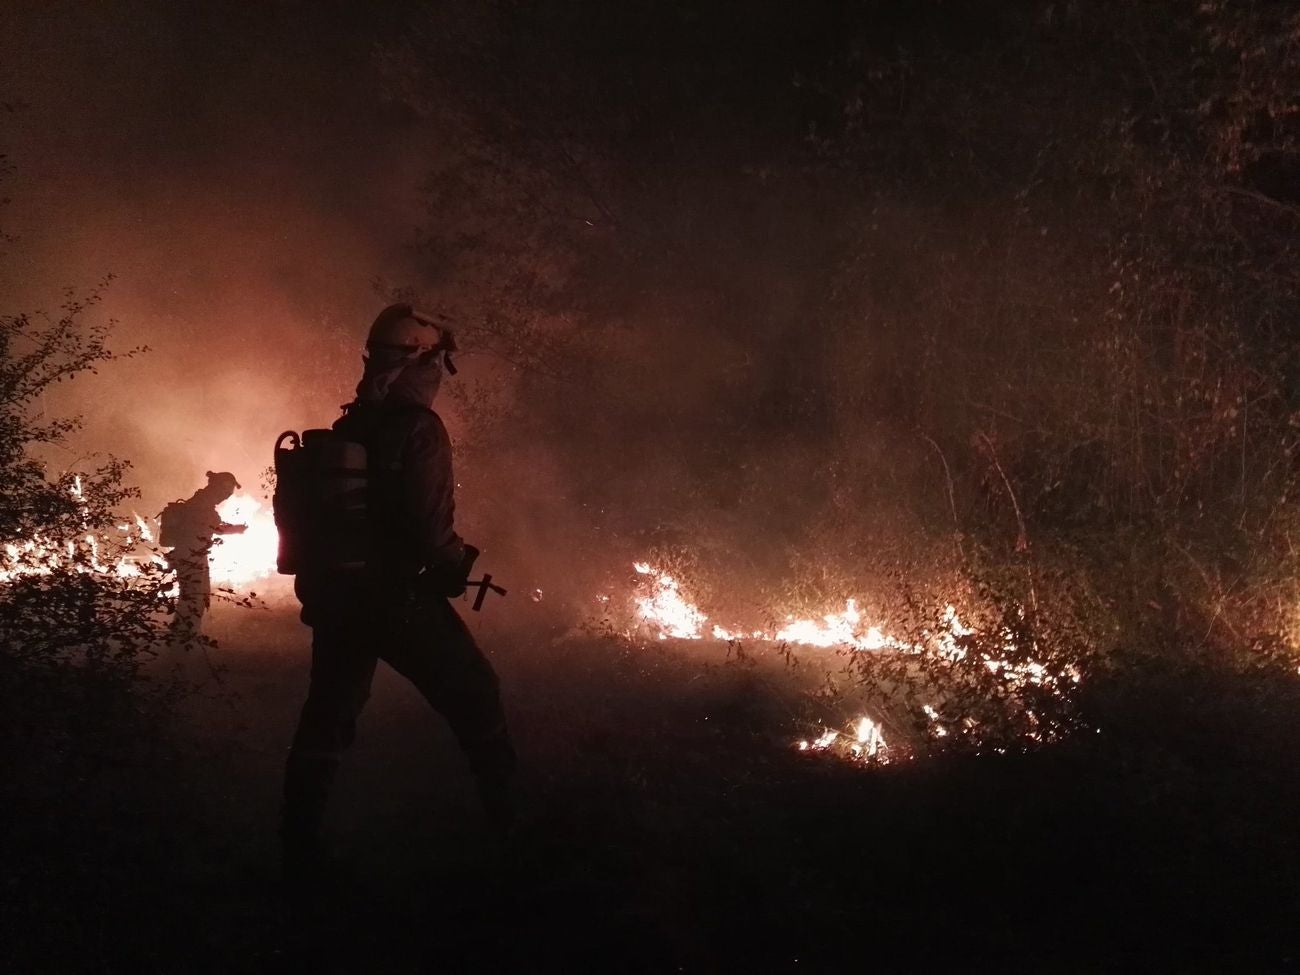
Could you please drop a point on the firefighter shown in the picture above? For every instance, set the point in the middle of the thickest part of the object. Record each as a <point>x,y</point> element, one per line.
<point>396,608</point>
<point>190,527</point>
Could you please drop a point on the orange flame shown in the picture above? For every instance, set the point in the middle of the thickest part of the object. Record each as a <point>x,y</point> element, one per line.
<point>238,560</point>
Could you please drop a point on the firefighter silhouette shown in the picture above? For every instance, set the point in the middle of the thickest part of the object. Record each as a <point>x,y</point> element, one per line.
<point>189,527</point>
<point>396,607</point>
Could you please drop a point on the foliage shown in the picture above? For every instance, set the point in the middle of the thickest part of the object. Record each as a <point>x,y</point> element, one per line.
<point>79,604</point>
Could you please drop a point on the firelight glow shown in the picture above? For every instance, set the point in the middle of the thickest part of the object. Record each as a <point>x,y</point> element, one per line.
<point>39,556</point>
<point>238,560</point>
<point>663,608</point>
<point>667,613</point>
<point>864,743</point>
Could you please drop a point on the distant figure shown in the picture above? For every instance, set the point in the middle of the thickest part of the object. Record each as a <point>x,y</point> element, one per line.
<point>188,528</point>
<point>387,598</point>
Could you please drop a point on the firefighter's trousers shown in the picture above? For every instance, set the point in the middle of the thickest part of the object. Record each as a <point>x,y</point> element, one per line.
<point>194,581</point>
<point>423,640</point>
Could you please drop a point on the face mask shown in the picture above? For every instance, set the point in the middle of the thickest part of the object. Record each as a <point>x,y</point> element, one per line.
<point>393,376</point>
<point>417,383</point>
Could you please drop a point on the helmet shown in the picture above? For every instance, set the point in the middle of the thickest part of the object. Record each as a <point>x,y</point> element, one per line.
<point>223,481</point>
<point>400,328</point>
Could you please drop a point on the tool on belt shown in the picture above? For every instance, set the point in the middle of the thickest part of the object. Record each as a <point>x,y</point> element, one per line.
<point>483,585</point>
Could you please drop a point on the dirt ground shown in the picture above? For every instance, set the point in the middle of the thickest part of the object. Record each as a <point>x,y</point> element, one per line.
<point>668,827</point>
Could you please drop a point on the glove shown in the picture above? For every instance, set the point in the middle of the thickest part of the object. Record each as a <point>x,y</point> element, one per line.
<point>450,582</point>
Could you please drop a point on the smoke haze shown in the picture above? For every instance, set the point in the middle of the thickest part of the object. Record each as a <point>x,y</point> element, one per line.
<point>237,173</point>
<point>805,289</point>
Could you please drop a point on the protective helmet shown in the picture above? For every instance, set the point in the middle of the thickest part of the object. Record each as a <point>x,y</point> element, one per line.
<point>403,329</point>
<point>223,480</point>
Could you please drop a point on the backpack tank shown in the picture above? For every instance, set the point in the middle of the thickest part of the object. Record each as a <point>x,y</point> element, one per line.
<point>321,502</point>
<point>171,525</point>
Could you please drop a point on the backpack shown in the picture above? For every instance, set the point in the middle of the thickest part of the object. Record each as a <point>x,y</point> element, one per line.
<point>171,525</point>
<point>321,502</point>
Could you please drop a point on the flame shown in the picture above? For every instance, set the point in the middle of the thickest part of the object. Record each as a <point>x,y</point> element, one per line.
<point>820,743</point>
<point>236,559</point>
<point>668,613</point>
<point>870,741</point>
<point>240,559</point>
<point>836,629</point>
<point>40,555</point>
<point>666,608</point>
<point>865,743</point>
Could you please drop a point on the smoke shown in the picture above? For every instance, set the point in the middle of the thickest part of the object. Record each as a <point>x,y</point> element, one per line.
<point>241,177</point>
<point>690,327</point>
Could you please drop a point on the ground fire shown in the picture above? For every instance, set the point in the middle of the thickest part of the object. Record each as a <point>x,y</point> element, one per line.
<point>658,605</point>
<point>237,560</point>
<point>663,610</point>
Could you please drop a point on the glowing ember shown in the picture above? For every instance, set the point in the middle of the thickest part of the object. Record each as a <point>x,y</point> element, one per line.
<point>240,559</point>
<point>864,743</point>
<point>936,728</point>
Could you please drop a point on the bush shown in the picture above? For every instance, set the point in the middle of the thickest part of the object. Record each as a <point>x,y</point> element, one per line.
<point>80,601</point>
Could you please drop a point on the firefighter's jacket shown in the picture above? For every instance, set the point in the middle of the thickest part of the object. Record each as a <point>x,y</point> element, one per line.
<point>194,523</point>
<point>411,509</point>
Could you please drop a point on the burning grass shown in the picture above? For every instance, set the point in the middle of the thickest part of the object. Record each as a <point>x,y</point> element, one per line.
<point>131,547</point>
<point>944,683</point>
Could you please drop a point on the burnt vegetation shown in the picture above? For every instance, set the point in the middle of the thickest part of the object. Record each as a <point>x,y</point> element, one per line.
<point>989,304</point>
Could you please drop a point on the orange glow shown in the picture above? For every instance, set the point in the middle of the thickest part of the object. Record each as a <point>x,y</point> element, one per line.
<point>238,560</point>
